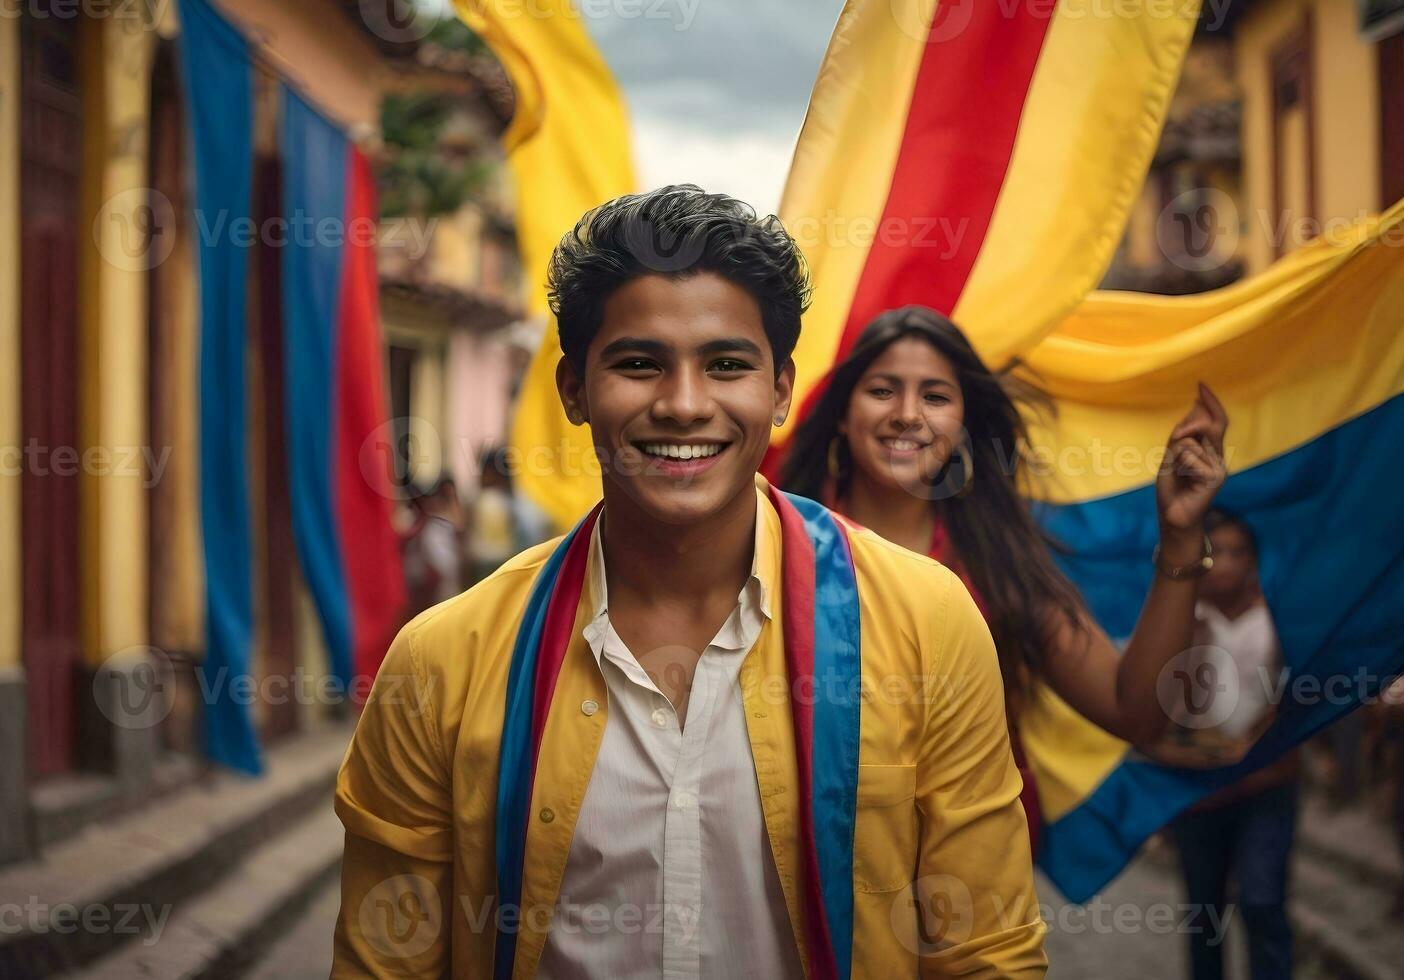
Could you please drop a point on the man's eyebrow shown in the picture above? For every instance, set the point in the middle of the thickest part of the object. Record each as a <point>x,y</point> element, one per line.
<point>736,345</point>
<point>658,348</point>
<point>634,345</point>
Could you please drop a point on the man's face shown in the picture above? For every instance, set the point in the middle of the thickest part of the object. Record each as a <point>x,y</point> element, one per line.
<point>680,392</point>
<point>1234,564</point>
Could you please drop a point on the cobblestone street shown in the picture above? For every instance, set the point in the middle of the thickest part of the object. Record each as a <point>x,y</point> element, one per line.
<point>1084,942</point>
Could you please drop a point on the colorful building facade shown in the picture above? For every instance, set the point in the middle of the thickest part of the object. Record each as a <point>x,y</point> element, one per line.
<point>1288,124</point>
<point>103,598</point>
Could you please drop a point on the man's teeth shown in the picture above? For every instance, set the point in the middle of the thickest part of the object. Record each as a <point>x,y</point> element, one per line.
<point>672,451</point>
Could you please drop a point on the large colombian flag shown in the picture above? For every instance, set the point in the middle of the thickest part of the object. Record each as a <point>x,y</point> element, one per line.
<point>1309,361</point>
<point>980,158</point>
<point>568,150</point>
<point>332,354</point>
<point>1013,139</point>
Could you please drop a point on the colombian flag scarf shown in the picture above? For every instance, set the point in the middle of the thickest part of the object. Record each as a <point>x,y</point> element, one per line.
<point>821,631</point>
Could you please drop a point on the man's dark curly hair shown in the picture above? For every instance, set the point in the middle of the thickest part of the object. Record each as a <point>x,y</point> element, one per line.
<point>676,231</point>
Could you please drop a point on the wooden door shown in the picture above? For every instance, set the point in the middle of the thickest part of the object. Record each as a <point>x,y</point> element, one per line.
<point>51,137</point>
<point>279,552</point>
<point>1391,120</point>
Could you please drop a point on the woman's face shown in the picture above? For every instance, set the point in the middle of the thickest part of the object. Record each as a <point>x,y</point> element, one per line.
<point>905,417</point>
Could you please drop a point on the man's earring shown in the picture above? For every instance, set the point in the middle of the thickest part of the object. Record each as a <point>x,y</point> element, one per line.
<point>573,414</point>
<point>779,420</point>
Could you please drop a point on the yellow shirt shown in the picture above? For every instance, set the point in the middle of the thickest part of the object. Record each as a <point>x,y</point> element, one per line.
<point>943,882</point>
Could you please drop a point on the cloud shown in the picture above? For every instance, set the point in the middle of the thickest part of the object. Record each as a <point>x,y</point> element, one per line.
<point>739,64</point>
<point>747,165</point>
<point>719,103</point>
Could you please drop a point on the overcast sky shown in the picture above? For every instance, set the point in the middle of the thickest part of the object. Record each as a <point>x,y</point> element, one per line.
<point>716,88</point>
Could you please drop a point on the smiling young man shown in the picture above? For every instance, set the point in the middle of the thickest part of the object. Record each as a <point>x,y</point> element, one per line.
<point>713,731</point>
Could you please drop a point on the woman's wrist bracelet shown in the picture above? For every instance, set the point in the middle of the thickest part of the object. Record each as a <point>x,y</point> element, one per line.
<point>1181,572</point>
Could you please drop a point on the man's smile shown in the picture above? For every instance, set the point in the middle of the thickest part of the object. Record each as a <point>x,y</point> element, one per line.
<point>691,449</point>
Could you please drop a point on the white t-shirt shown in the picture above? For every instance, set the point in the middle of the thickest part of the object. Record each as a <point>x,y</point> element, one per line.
<point>1251,642</point>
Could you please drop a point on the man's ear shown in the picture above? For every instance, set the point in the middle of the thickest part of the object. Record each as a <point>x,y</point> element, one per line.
<point>784,390</point>
<point>572,392</point>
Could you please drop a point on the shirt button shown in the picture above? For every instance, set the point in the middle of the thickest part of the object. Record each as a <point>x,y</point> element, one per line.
<point>547,814</point>
<point>684,800</point>
<point>660,717</point>
<point>589,706</point>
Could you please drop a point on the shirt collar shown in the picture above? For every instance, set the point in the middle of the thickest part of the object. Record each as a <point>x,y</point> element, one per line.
<point>765,570</point>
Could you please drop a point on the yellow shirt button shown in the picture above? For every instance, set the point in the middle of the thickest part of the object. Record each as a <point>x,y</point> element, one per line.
<point>547,814</point>
<point>589,707</point>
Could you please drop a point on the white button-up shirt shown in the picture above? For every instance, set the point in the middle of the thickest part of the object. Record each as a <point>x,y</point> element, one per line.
<point>670,872</point>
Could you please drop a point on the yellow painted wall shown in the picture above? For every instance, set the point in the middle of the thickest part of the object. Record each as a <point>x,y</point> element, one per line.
<point>1348,117</point>
<point>10,593</point>
<point>427,410</point>
<point>1345,85</point>
<point>1143,250</point>
<point>113,335</point>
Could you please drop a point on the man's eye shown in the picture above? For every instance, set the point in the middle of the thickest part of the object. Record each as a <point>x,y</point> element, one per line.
<point>635,364</point>
<point>730,364</point>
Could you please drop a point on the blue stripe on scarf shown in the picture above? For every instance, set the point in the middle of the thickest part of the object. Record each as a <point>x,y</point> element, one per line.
<point>514,767</point>
<point>837,670</point>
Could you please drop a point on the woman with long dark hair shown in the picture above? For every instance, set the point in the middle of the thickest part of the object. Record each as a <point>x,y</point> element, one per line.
<point>917,440</point>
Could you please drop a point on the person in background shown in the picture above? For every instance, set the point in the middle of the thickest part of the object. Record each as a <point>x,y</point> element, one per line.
<point>1244,830</point>
<point>1391,714</point>
<point>494,524</point>
<point>917,440</point>
<point>432,548</point>
<point>1342,748</point>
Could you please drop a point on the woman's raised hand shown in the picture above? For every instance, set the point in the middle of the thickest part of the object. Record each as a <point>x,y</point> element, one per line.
<point>1193,469</point>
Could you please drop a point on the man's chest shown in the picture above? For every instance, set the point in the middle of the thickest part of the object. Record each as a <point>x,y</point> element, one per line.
<point>652,772</point>
<point>668,644</point>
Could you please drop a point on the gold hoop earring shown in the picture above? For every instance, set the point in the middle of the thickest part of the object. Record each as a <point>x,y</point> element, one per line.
<point>834,472</point>
<point>967,465</point>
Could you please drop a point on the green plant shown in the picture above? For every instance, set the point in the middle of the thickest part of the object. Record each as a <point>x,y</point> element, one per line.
<point>428,167</point>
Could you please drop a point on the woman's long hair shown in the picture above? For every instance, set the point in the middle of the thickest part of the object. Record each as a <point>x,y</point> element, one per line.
<point>1000,548</point>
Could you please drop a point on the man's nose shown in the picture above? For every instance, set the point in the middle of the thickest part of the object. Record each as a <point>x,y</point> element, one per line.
<point>683,398</point>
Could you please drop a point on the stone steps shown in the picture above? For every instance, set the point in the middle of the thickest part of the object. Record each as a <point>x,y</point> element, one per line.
<point>111,883</point>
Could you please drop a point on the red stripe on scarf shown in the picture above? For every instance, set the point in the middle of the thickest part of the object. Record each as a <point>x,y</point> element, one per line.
<point>798,615</point>
<point>559,627</point>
